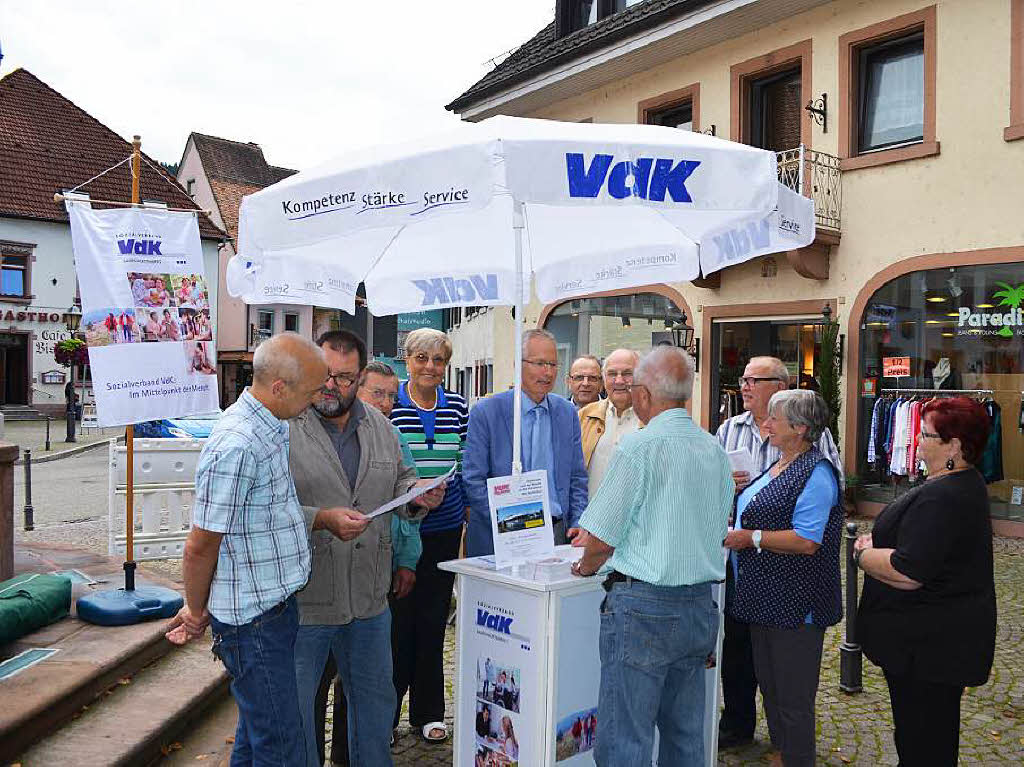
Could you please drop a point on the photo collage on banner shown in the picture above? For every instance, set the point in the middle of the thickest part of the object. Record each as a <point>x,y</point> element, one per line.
<point>576,733</point>
<point>502,699</point>
<point>176,308</point>
<point>498,690</point>
<point>147,314</point>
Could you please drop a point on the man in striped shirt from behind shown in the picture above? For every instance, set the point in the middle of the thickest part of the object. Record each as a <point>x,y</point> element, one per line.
<point>432,422</point>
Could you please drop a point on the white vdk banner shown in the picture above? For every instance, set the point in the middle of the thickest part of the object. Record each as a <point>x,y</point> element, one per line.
<point>145,313</point>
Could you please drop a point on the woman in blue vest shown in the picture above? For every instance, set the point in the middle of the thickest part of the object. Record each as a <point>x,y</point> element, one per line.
<point>786,567</point>
<point>928,612</point>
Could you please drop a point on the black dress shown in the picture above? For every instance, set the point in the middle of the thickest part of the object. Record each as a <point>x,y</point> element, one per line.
<point>945,631</point>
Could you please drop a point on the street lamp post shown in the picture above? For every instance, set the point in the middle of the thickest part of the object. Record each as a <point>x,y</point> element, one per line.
<point>74,317</point>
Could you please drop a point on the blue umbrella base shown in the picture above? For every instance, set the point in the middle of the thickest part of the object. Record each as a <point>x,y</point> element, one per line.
<point>117,607</point>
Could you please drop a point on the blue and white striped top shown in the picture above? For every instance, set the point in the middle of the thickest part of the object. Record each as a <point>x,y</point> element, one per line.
<point>436,438</point>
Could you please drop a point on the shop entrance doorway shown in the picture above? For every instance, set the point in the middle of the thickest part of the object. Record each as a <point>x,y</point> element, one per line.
<point>795,340</point>
<point>13,369</point>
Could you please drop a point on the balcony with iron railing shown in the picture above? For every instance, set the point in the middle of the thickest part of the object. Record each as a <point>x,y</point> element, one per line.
<point>816,175</point>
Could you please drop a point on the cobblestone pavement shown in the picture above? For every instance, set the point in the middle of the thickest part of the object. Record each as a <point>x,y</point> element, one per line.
<point>857,729</point>
<point>70,502</point>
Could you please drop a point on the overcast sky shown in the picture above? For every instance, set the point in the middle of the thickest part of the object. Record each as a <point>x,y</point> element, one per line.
<point>305,79</point>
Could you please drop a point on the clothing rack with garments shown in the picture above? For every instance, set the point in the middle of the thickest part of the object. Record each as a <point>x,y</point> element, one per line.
<point>896,426</point>
<point>940,392</point>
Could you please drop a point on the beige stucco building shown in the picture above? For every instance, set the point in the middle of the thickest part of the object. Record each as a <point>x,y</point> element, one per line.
<point>913,159</point>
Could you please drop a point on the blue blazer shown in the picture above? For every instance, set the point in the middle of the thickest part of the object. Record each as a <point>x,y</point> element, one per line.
<point>488,454</point>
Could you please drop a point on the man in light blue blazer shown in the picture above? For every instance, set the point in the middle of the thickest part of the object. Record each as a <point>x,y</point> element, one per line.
<point>551,440</point>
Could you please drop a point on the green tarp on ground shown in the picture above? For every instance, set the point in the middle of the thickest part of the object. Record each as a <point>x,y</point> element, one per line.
<point>29,602</point>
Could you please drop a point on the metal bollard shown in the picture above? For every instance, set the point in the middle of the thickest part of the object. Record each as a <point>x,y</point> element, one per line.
<point>29,511</point>
<point>850,662</point>
<point>48,433</point>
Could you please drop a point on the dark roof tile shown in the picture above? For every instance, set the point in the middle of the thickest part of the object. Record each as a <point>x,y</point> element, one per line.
<point>48,145</point>
<point>544,51</point>
<point>241,163</point>
<point>235,169</point>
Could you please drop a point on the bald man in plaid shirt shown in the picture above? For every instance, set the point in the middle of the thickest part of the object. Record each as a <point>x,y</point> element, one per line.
<point>248,550</point>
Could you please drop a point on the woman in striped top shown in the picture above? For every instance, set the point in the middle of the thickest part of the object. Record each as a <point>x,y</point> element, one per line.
<point>432,422</point>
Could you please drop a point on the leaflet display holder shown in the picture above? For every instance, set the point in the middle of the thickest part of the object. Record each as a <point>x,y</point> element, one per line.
<point>527,652</point>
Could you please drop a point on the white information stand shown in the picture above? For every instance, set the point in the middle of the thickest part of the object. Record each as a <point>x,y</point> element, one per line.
<point>527,651</point>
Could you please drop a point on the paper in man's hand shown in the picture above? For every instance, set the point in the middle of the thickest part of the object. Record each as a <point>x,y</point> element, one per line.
<point>412,495</point>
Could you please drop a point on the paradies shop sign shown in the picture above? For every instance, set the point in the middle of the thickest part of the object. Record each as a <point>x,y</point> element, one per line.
<point>972,322</point>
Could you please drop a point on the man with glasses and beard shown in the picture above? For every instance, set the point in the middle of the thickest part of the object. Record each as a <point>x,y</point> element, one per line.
<point>349,453</point>
<point>762,377</point>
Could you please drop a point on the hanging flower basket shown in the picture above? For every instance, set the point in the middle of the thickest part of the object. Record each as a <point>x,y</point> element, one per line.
<point>71,351</point>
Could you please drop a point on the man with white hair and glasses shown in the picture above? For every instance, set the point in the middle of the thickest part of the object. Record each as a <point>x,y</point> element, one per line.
<point>762,377</point>
<point>550,441</point>
<point>605,422</point>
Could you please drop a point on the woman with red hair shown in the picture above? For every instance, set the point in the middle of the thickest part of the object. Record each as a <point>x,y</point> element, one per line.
<point>927,616</point>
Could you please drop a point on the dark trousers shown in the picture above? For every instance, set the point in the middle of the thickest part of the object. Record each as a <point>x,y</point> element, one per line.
<point>739,683</point>
<point>926,716</point>
<point>788,666</point>
<point>417,631</point>
<point>339,734</point>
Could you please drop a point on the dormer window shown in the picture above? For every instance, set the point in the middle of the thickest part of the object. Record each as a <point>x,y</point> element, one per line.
<point>573,15</point>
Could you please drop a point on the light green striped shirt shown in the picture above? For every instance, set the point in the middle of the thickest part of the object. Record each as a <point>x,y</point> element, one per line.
<point>664,503</point>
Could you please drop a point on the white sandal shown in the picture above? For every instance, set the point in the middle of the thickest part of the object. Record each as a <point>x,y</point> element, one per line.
<point>427,728</point>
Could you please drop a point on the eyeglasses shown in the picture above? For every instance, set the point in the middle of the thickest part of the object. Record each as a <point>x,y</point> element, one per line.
<point>381,394</point>
<point>625,375</point>
<point>423,359</point>
<point>543,364</point>
<point>580,377</point>
<point>343,380</point>
<point>929,434</point>
<point>751,380</point>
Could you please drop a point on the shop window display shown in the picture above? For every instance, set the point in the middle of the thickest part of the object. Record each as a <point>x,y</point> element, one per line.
<point>941,333</point>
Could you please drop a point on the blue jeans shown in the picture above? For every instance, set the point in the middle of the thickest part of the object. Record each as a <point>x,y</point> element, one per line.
<point>259,656</point>
<point>362,650</point>
<point>655,641</point>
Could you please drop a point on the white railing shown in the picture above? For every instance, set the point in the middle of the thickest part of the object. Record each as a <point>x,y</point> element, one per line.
<point>163,494</point>
<point>818,176</point>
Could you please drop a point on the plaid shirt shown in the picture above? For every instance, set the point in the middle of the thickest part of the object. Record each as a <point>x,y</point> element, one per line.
<point>245,490</point>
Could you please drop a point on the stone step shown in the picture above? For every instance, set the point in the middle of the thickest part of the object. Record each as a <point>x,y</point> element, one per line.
<point>141,719</point>
<point>209,743</point>
<point>21,413</point>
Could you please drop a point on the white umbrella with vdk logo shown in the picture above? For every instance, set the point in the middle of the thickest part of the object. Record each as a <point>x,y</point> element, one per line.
<point>475,216</point>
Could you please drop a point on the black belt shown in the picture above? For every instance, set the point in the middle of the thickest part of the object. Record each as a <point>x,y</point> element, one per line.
<point>616,577</point>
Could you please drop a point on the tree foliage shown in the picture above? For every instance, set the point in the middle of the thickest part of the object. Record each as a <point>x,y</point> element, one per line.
<point>829,365</point>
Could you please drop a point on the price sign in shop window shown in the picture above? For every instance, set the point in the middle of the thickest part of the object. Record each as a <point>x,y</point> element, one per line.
<point>895,367</point>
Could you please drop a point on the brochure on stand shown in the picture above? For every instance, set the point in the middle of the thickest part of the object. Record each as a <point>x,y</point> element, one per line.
<point>520,517</point>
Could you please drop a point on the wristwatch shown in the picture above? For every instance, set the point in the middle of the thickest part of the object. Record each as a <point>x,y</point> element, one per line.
<point>755,538</point>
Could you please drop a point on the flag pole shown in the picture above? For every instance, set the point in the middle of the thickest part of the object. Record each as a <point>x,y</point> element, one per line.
<point>129,435</point>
